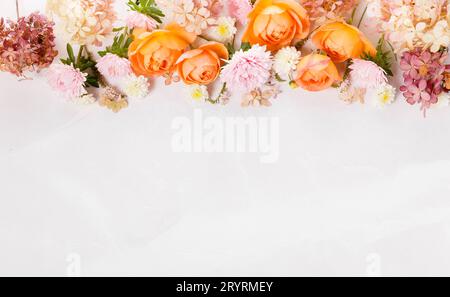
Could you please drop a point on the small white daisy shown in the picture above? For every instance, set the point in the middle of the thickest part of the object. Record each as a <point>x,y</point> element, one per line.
<point>383,95</point>
<point>285,61</point>
<point>198,92</point>
<point>443,100</point>
<point>86,99</point>
<point>223,30</point>
<point>136,86</point>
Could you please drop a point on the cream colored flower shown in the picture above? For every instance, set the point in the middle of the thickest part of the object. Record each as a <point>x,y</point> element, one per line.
<point>223,30</point>
<point>443,100</point>
<point>198,92</point>
<point>285,61</point>
<point>86,99</point>
<point>84,22</point>
<point>193,16</point>
<point>136,87</point>
<point>382,96</point>
<point>438,37</point>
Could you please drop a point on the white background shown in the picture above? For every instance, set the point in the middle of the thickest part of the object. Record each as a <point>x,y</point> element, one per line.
<point>356,191</point>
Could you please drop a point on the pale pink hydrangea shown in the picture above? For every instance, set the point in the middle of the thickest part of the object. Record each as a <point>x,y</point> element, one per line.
<point>367,75</point>
<point>67,80</point>
<point>239,9</point>
<point>248,70</point>
<point>113,66</point>
<point>139,20</point>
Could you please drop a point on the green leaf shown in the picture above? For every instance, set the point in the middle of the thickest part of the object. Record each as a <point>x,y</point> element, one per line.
<point>120,45</point>
<point>383,58</point>
<point>278,78</point>
<point>147,7</point>
<point>70,53</point>
<point>245,46</point>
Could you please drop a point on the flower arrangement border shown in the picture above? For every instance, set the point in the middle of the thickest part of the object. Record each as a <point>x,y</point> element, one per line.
<point>234,46</point>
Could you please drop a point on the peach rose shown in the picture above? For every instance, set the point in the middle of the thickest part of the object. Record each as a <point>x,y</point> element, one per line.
<point>342,41</point>
<point>316,72</point>
<point>202,66</point>
<point>155,53</point>
<point>276,23</point>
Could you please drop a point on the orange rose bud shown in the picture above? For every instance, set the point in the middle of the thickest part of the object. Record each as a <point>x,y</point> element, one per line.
<point>202,65</point>
<point>155,53</point>
<point>276,23</point>
<point>316,72</point>
<point>342,42</point>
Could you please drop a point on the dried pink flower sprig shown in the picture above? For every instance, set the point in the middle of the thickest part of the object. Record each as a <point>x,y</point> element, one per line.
<point>423,74</point>
<point>26,45</point>
<point>322,10</point>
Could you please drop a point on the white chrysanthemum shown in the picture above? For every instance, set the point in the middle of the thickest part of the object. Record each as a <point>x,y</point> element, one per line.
<point>198,92</point>
<point>443,100</point>
<point>86,99</point>
<point>383,95</point>
<point>285,61</point>
<point>223,31</point>
<point>136,86</point>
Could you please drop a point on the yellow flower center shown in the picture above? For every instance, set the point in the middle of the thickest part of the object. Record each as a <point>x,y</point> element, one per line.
<point>222,30</point>
<point>197,94</point>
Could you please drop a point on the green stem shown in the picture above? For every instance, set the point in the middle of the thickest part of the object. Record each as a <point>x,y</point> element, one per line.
<point>353,16</point>
<point>80,55</point>
<point>224,88</point>
<point>362,17</point>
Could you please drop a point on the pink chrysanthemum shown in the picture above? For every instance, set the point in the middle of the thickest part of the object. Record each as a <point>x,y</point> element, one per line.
<point>139,20</point>
<point>239,9</point>
<point>367,75</point>
<point>248,70</point>
<point>67,80</point>
<point>113,66</point>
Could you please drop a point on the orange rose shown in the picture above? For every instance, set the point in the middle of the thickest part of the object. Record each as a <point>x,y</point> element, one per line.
<point>316,73</point>
<point>276,23</point>
<point>342,41</point>
<point>155,53</point>
<point>202,65</point>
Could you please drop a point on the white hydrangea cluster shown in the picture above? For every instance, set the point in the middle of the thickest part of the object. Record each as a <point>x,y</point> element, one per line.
<point>83,22</point>
<point>414,24</point>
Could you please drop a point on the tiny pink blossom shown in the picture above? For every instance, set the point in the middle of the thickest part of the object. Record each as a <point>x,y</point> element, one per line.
<point>139,20</point>
<point>248,70</point>
<point>367,75</point>
<point>113,66</point>
<point>239,9</point>
<point>67,80</point>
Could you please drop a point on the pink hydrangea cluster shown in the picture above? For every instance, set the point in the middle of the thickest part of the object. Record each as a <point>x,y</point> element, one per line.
<point>67,80</point>
<point>26,45</point>
<point>113,66</point>
<point>139,20</point>
<point>423,74</point>
<point>239,9</point>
